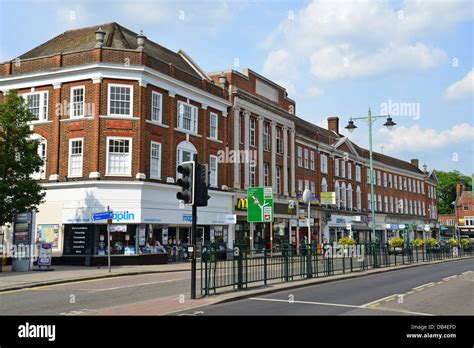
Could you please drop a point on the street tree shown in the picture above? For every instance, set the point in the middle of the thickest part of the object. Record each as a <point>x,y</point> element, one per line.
<point>447,189</point>
<point>19,159</point>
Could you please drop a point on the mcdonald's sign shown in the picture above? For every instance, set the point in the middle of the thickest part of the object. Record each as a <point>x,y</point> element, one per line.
<point>242,203</point>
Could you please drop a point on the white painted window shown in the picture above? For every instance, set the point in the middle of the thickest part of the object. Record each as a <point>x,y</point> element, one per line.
<point>423,189</point>
<point>278,180</point>
<point>349,171</point>
<point>300,156</point>
<point>185,152</point>
<point>338,195</point>
<point>385,202</point>
<point>369,201</point>
<point>313,187</point>
<point>252,131</point>
<point>405,184</point>
<point>324,164</point>
<point>395,182</point>
<point>359,198</point>
<point>266,136</point>
<point>77,101</point>
<point>311,160</point>
<point>384,179</point>
<point>76,157</point>
<point>324,185</point>
<point>419,207</point>
<point>306,159</point>
<point>358,172</point>
<point>380,202</point>
<point>306,184</point>
<point>469,220</point>
<point>379,178</point>
<point>37,103</point>
<point>343,195</point>
<point>42,153</point>
<point>390,181</point>
<point>266,174</point>
<point>120,100</point>
<point>213,125</point>
<point>410,206</point>
<point>156,106</point>
<point>349,197</point>
<point>397,203</point>
<point>300,185</point>
<point>391,204</point>
<point>119,156</point>
<point>213,180</point>
<point>279,142</point>
<point>252,175</point>
<point>155,160</point>
<point>368,175</point>
<point>343,168</point>
<point>400,183</point>
<point>187,117</point>
<point>406,206</point>
<point>409,185</point>
<point>418,189</point>
<point>336,167</point>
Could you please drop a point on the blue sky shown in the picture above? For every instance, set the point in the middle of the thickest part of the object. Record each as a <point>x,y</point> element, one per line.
<point>336,58</point>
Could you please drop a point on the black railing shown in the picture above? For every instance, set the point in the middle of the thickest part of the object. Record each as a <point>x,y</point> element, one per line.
<point>241,267</point>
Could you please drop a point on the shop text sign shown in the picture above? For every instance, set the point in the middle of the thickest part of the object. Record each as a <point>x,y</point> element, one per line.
<point>260,204</point>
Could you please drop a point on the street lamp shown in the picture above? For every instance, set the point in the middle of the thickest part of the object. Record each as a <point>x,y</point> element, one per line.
<point>351,127</point>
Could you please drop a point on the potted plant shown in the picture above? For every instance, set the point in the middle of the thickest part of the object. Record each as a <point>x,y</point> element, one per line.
<point>419,242</point>
<point>345,241</point>
<point>397,244</point>
<point>465,243</point>
<point>433,242</point>
<point>453,242</point>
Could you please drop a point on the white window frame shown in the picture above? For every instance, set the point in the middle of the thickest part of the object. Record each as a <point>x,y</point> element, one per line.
<point>41,174</point>
<point>160,107</point>
<point>359,198</point>
<point>336,167</point>
<point>107,169</point>
<point>215,182</point>
<point>69,174</point>
<point>385,178</point>
<point>379,178</point>
<point>266,136</point>
<point>306,158</point>
<point>395,182</point>
<point>311,160</point>
<point>43,108</point>
<point>300,185</point>
<point>300,156</point>
<point>216,117</point>
<point>278,179</point>
<point>390,181</point>
<point>343,168</point>
<point>153,176</point>
<point>349,170</point>
<point>350,203</point>
<point>324,164</point>
<point>194,122</point>
<point>266,174</point>
<point>313,187</point>
<point>385,203</point>
<point>71,111</point>
<point>379,201</point>
<point>358,174</point>
<point>279,141</point>
<point>252,127</point>
<point>324,185</point>
<point>252,175</point>
<point>109,100</point>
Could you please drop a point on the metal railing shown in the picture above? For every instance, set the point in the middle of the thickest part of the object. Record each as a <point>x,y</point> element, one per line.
<point>241,267</point>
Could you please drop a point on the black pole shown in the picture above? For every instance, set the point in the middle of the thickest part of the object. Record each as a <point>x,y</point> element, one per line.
<point>193,261</point>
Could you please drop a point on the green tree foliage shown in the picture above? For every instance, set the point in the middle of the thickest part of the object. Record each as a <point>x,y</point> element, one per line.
<point>19,159</point>
<point>447,189</point>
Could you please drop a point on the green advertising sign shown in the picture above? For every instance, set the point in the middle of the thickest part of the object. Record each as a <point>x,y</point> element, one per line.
<point>260,204</point>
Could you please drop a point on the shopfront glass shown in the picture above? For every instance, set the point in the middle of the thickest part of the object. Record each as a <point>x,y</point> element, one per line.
<point>122,239</point>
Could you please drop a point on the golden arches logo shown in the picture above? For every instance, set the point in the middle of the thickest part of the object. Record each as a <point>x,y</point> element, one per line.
<point>242,203</point>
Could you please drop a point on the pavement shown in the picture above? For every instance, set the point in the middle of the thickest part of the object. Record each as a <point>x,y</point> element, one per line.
<point>63,274</point>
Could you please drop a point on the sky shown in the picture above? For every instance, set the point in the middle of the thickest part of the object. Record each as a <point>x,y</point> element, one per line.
<point>410,59</point>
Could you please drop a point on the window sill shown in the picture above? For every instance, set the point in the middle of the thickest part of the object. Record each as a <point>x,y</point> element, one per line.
<point>38,122</point>
<point>188,132</point>
<point>155,123</point>
<point>75,177</point>
<point>121,117</point>
<point>215,140</point>
<point>72,119</point>
<point>120,175</point>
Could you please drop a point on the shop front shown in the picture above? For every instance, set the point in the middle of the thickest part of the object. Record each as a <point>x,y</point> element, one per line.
<point>148,223</point>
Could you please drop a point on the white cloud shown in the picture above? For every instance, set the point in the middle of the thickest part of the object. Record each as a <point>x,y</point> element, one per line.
<point>279,63</point>
<point>314,92</point>
<point>354,39</point>
<point>461,89</point>
<point>416,139</point>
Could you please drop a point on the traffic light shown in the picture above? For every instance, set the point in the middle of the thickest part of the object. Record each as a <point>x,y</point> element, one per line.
<point>202,184</point>
<point>187,170</point>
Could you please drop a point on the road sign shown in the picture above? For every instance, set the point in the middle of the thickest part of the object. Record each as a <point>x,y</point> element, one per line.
<point>260,204</point>
<point>105,215</point>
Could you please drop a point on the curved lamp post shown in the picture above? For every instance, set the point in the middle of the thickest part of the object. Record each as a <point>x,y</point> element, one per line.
<point>351,127</point>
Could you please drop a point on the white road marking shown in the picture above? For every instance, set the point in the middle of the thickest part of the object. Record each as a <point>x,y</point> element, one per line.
<point>449,278</point>
<point>422,286</point>
<point>344,305</point>
<point>379,300</point>
<point>89,291</point>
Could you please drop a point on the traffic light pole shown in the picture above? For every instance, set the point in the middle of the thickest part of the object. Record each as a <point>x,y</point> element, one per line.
<point>193,260</point>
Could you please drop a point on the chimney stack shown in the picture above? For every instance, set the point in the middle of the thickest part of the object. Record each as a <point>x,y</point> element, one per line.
<point>333,124</point>
<point>99,37</point>
<point>222,80</point>
<point>415,162</point>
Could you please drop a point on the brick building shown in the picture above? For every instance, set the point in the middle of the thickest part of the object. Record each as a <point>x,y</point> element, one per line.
<point>117,112</point>
<point>464,212</point>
